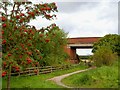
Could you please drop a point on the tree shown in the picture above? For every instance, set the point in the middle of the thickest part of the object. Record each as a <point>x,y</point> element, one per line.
<point>23,45</point>
<point>54,50</point>
<point>104,56</point>
<point>110,40</point>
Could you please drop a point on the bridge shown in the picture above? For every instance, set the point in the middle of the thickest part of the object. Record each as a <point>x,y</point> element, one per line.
<point>79,43</point>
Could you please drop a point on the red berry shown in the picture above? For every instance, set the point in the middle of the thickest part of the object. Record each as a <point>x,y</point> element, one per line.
<point>2,32</point>
<point>41,35</point>
<point>16,48</point>
<point>21,20</point>
<point>41,57</point>
<point>17,16</point>
<point>48,16</point>
<point>4,63</point>
<point>3,18</point>
<point>21,14</point>
<point>26,49</point>
<point>11,62</point>
<point>37,51</point>
<point>36,63</point>
<point>25,30</point>
<point>47,8</point>
<point>20,56</point>
<point>47,40</point>
<point>15,27</point>
<point>42,9</point>
<point>11,21</point>
<point>4,73</point>
<point>17,68</point>
<point>28,60</point>
<point>29,53</point>
<point>13,66</point>
<point>4,41</point>
<point>9,54</point>
<point>37,11</point>
<point>4,25</point>
<point>31,13</point>
<point>29,44</point>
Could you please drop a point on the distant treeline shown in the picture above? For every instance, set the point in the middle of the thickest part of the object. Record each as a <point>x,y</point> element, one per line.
<point>84,57</point>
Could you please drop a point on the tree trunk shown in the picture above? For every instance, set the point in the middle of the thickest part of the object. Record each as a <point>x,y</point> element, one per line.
<point>8,80</point>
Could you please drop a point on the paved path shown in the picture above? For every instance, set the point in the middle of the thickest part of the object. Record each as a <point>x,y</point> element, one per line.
<point>58,79</point>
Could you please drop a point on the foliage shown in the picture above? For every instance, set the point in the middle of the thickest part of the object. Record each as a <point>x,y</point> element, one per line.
<point>104,56</point>
<point>24,45</point>
<point>84,57</point>
<point>102,77</point>
<point>54,50</point>
<point>111,40</point>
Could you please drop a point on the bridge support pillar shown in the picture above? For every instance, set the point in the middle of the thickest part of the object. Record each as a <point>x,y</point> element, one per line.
<point>72,54</point>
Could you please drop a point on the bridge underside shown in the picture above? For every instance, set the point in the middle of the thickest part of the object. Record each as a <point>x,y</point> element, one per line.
<point>79,43</point>
<point>71,50</point>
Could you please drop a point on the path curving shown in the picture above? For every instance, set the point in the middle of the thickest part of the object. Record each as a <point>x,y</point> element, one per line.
<point>58,79</point>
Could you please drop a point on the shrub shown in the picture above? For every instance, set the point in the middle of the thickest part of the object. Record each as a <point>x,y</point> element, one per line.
<point>110,39</point>
<point>104,56</point>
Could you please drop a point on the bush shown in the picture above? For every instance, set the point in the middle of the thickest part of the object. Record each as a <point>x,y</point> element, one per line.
<point>110,39</point>
<point>104,56</point>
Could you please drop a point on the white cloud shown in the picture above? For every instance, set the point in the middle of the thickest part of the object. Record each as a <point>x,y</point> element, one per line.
<point>87,19</point>
<point>36,1</point>
<point>97,21</point>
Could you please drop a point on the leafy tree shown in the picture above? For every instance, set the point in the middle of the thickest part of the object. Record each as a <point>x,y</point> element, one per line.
<point>54,51</point>
<point>110,40</point>
<point>23,45</point>
<point>104,56</point>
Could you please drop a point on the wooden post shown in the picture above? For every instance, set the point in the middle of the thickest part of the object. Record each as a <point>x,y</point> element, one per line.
<point>51,68</point>
<point>29,71</point>
<point>37,71</point>
<point>9,75</point>
<point>19,73</point>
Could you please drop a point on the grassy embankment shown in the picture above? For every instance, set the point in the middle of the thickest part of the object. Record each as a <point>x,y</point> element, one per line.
<point>101,77</point>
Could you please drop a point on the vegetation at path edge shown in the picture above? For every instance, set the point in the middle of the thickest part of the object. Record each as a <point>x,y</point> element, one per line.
<point>40,80</point>
<point>101,77</point>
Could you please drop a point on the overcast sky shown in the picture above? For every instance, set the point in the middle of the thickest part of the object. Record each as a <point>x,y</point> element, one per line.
<point>85,19</point>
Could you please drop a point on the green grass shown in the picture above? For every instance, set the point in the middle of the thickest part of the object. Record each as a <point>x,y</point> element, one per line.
<point>40,80</point>
<point>102,77</point>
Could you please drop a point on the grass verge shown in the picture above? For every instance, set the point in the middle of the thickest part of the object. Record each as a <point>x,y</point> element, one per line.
<point>40,80</point>
<point>102,77</point>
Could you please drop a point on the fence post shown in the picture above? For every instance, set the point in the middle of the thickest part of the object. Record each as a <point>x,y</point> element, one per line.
<point>29,71</point>
<point>51,68</point>
<point>19,73</point>
<point>37,69</point>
